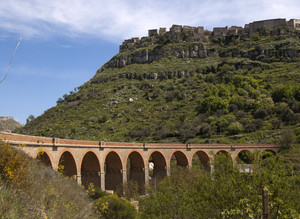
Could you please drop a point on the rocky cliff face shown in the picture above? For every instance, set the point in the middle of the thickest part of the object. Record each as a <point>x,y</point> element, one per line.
<point>216,48</point>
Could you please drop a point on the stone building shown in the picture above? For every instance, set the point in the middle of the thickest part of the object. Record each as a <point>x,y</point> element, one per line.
<point>235,30</point>
<point>162,31</point>
<point>176,28</point>
<point>267,24</point>
<point>152,32</point>
<point>220,31</point>
<point>295,23</point>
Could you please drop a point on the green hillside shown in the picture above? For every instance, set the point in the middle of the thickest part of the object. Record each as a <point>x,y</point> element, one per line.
<point>235,89</point>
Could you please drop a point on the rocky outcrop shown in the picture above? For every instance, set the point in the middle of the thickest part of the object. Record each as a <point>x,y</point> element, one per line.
<point>8,124</point>
<point>146,55</point>
<point>152,75</point>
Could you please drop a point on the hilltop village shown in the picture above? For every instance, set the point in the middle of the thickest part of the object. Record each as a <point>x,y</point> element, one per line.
<point>199,32</point>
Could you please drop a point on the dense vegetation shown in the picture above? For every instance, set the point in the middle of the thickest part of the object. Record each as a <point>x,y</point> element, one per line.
<point>226,193</point>
<point>247,90</point>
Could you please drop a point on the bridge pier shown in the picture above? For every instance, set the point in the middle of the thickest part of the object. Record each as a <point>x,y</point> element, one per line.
<point>124,172</point>
<point>102,178</point>
<point>168,170</point>
<point>146,176</point>
<point>78,179</point>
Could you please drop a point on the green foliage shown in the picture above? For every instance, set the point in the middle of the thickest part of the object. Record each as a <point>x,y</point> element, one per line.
<point>95,193</point>
<point>227,193</point>
<point>211,104</point>
<point>113,207</point>
<point>282,93</point>
<point>235,128</point>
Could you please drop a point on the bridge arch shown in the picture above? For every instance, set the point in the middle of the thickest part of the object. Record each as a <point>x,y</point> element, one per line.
<point>67,162</point>
<point>267,153</point>
<point>222,154</point>
<point>113,167</point>
<point>44,157</point>
<point>157,167</point>
<point>200,158</point>
<point>244,156</point>
<point>90,169</point>
<point>135,166</point>
<point>180,157</point>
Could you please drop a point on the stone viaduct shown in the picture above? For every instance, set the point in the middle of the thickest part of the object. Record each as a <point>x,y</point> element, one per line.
<point>111,164</point>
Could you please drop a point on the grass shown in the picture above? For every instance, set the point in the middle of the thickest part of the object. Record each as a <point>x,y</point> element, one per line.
<point>36,191</point>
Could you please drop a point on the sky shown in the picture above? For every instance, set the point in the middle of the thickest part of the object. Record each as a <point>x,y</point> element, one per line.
<point>65,42</point>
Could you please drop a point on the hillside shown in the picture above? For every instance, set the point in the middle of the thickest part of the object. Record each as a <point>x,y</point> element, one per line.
<point>180,87</point>
<point>29,189</point>
<point>8,124</point>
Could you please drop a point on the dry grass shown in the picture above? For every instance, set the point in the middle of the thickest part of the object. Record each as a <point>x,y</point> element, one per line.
<point>31,190</point>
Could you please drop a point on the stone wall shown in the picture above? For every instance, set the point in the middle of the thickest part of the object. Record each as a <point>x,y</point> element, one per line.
<point>295,23</point>
<point>266,24</point>
<point>197,33</point>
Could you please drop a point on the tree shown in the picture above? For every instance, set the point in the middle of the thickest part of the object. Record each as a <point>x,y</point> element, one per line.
<point>226,193</point>
<point>30,118</point>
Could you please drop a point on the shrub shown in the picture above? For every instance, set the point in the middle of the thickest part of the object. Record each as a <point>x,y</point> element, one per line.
<point>13,165</point>
<point>260,113</point>
<point>113,207</point>
<point>282,93</point>
<point>212,104</point>
<point>235,128</point>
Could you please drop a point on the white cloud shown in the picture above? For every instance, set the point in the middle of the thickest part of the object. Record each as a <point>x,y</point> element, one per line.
<point>118,19</point>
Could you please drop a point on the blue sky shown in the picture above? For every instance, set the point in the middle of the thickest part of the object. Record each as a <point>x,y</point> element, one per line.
<point>65,42</point>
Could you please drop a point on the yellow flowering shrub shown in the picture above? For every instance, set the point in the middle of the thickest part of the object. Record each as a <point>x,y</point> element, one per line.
<point>13,164</point>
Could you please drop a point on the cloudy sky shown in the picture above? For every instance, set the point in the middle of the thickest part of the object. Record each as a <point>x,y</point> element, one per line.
<point>65,42</point>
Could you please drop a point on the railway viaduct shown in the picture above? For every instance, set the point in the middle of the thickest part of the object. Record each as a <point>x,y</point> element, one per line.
<point>109,164</point>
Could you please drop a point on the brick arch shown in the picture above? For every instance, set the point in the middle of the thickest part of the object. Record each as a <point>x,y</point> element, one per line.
<point>203,158</point>
<point>222,151</point>
<point>107,153</point>
<point>181,158</point>
<point>267,150</point>
<point>226,152</point>
<point>90,169</point>
<point>248,160</point>
<point>160,166</point>
<point>136,170</point>
<point>128,154</point>
<point>158,151</point>
<point>47,160</point>
<point>271,150</point>
<point>69,163</point>
<point>113,166</point>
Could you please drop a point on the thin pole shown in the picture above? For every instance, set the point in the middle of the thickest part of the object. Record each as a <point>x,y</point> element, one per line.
<point>11,60</point>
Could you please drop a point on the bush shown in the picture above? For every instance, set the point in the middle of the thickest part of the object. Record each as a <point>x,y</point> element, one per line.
<point>113,207</point>
<point>260,113</point>
<point>282,93</point>
<point>235,128</point>
<point>13,165</point>
<point>211,104</point>
<point>226,193</point>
